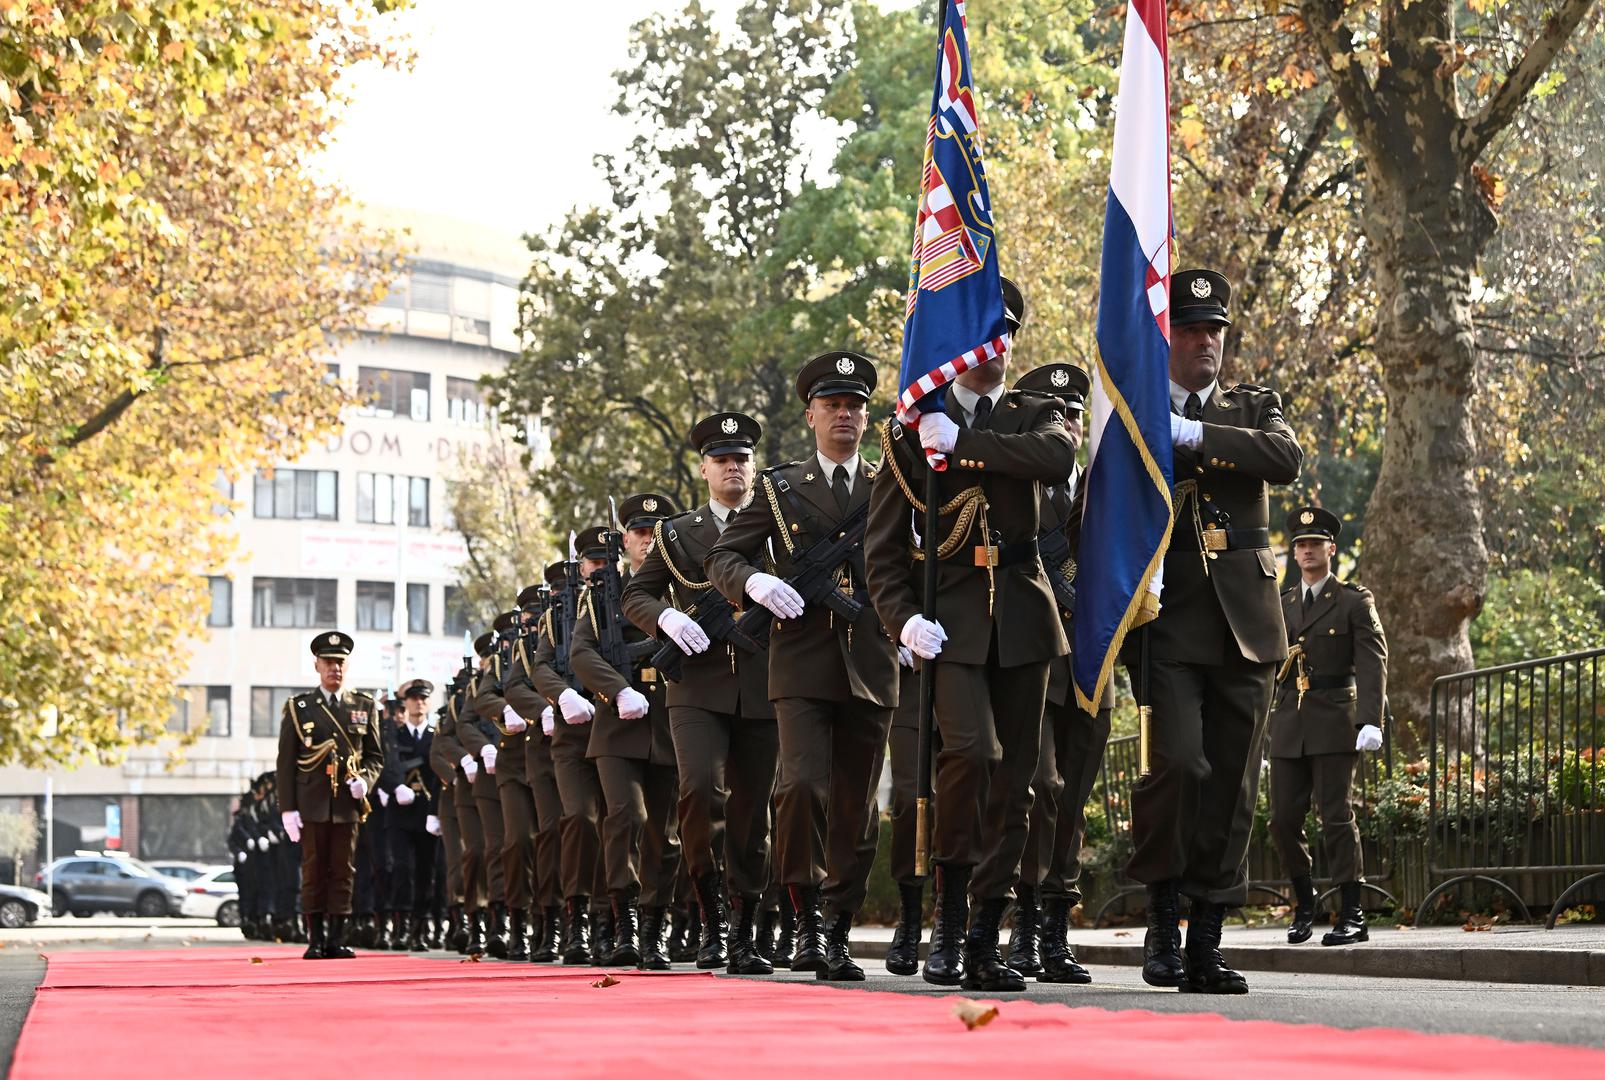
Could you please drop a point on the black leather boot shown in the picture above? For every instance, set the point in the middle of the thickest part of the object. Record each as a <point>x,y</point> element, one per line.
<point>601,934</point>
<point>379,936</point>
<point>316,932</point>
<point>744,958</point>
<point>438,930</point>
<point>653,958</point>
<point>1207,972</point>
<point>984,968</point>
<point>763,934</point>
<point>1161,946</point>
<point>294,931</point>
<point>810,952</point>
<point>457,939</point>
<point>839,963</point>
<point>945,964</point>
<point>1350,928</point>
<point>398,931</point>
<point>712,951</point>
<point>497,945</point>
<point>577,935</point>
<point>1024,952</point>
<point>903,958</point>
<point>517,934</point>
<point>626,916</point>
<point>478,927</point>
<point>335,947</point>
<point>415,935</point>
<point>1058,959</point>
<point>690,934</point>
<point>545,947</point>
<point>1302,926</point>
<point>786,940</point>
<point>360,930</point>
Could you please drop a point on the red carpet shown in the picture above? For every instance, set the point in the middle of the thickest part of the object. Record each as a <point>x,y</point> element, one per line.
<point>172,1013</point>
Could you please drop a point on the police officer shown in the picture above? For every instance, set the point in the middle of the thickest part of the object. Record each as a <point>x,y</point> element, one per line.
<point>996,630</point>
<point>1330,697</point>
<point>329,757</point>
<point>414,821</point>
<point>633,753</point>
<point>1212,651</point>
<point>725,742</point>
<point>833,681</point>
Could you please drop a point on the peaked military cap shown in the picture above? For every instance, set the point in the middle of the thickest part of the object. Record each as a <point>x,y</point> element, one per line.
<point>1312,523</point>
<point>556,573</point>
<point>1067,382</point>
<point>1013,306</point>
<point>530,596</point>
<point>836,372</point>
<point>416,688</point>
<point>506,621</point>
<point>1200,296</point>
<point>332,644</point>
<point>591,543</point>
<point>644,510</point>
<point>482,644</point>
<point>726,433</point>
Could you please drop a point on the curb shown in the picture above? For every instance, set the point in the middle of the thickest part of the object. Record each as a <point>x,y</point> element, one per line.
<point>1546,967</point>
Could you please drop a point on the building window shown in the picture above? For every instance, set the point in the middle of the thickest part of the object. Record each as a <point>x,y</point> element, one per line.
<point>267,707</point>
<point>456,611</point>
<point>376,498</point>
<point>376,603</point>
<point>218,716</point>
<point>417,609</point>
<point>465,401</point>
<point>430,292</point>
<point>396,297</point>
<point>418,502</point>
<point>297,493</point>
<point>178,719</point>
<point>292,602</point>
<point>222,610</point>
<point>225,494</point>
<point>393,394</point>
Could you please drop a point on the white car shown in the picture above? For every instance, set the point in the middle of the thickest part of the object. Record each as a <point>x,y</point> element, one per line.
<point>20,906</point>
<point>213,895</point>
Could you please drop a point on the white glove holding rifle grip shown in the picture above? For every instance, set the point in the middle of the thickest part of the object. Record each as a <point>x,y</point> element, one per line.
<point>683,631</point>
<point>575,709</point>
<point>923,637</point>
<point>292,825</point>
<point>781,599</point>
<point>514,722</point>
<point>631,704</point>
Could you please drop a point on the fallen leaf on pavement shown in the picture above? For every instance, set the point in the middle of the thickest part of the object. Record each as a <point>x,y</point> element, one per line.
<point>1479,922</point>
<point>471,958</point>
<point>974,1014</point>
<point>256,959</point>
<point>1122,933</point>
<point>604,982</point>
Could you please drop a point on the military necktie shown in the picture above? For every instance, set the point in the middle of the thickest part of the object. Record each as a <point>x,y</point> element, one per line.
<point>983,412</point>
<point>1309,599</point>
<point>838,488</point>
<point>1193,409</point>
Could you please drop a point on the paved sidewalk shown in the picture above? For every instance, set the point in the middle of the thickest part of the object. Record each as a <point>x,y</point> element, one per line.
<point>1567,956</point>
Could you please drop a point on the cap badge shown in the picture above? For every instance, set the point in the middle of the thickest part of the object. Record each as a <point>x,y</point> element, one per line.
<point>649,505</point>
<point>1306,518</point>
<point>1200,287</point>
<point>845,365</point>
<point>729,425</point>
<point>334,639</point>
<point>1060,377</point>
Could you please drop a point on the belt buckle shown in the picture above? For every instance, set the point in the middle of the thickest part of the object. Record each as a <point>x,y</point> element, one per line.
<point>986,555</point>
<point>649,675</point>
<point>1214,538</point>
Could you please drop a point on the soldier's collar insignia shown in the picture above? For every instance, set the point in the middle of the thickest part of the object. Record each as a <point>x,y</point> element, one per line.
<point>808,478</point>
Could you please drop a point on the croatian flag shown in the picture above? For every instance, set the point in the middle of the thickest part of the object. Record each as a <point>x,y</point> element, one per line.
<point>1127,512</point>
<point>953,320</point>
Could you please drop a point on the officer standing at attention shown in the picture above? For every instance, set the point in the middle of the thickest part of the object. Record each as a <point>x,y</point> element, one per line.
<point>833,681</point>
<point>329,757</point>
<point>1213,649</point>
<point>996,630</point>
<point>1325,714</point>
<point>414,821</point>
<point>725,743</point>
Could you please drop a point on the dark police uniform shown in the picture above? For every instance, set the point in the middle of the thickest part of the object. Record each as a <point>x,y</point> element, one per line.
<point>323,745</point>
<point>412,847</point>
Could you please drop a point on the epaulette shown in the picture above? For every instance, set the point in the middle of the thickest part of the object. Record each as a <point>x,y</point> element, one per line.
<point>1250,388</point>
<point>1290,590</point>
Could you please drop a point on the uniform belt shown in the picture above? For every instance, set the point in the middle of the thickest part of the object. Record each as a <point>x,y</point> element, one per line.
<point>1331,682</point>
<point>1218,539</point>
<point>1010,554</point>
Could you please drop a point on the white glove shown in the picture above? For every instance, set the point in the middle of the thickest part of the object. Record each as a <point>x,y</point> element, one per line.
<point>576,710</point>
<point>240,858</point>
<point>631,703</point>
<point>358,786</point>
<point>1370,738</point>
<point>470,766</point>
<point>775,595</point>
<point>1187,434</point>
<point>487,754</point>
<point>292,825</point>
<point>938,432</point>
<point>683,629</point>
<point>432,825</point>
<point>923,637</point>
<point>405,796</point>
<point>548,724</point>
<point>905,656</point>
<point>514,722</point>
<point>384,799</point>
<point>261,843</point>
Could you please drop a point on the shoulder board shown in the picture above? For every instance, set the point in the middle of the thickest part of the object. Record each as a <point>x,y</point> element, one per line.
<point>1352,587</point>
<point>1290,590</point>
<point>783,465</point>
<point>1249,388</point>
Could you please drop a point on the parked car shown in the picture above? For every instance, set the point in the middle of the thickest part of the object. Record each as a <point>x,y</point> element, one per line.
<point>20,906</point>
<point>213,895</point>
<point>87,882</point>
<point>179,870</point>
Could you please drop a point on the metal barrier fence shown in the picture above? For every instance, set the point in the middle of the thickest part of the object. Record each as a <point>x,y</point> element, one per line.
<point>1516,781</point>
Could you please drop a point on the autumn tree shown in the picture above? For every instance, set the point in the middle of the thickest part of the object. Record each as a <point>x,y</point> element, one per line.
<point>173,279</point>
<point>504,528</point>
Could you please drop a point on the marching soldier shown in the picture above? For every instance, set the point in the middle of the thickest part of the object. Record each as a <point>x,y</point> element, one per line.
<point>1072,740</point>
<point>478,737</point>
<point>541,775</point>
<point>445,753</point>
<point>832,679</point>
<point>725,742</point>
<point>512,784</point>
<point>470,828</point>
<point>1212,651</point>
<point>414,820</point>
<point>633,752</point>
<point>329,757</point>
<point>996,630</point>
<point>1331,709</point>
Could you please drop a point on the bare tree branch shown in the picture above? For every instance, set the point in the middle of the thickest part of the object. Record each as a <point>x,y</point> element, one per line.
<point>1501,108</point>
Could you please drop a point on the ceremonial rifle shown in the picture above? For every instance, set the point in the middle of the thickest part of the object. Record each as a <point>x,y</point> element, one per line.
<point>1055,552</point>
<point>716,616</point>
<point>607,591</point>
<point>815,577</point>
